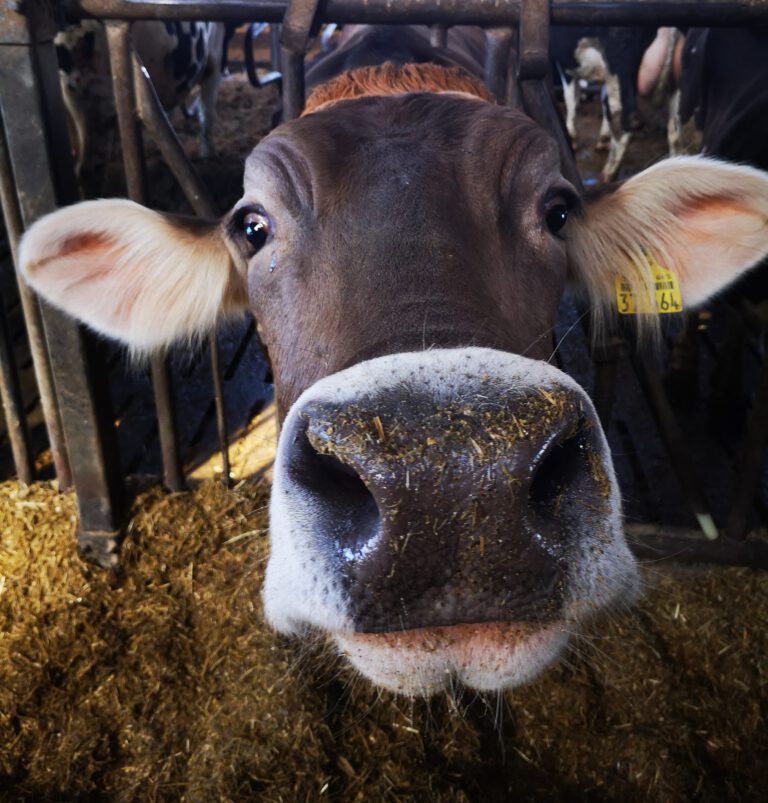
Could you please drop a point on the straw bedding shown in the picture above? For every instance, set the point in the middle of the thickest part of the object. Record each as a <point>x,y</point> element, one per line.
<point>162,682</point>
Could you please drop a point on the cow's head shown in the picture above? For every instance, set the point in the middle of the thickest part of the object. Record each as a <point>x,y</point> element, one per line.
<point>444,503</point>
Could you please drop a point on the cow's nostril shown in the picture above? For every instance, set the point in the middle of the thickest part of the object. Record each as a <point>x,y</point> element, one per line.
<point>334,474</point>
<point>555,474</point>
<point>345,509</point>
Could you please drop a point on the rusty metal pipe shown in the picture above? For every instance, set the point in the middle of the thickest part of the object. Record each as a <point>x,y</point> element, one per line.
<point>13,405</point>
<point>675,443</point>
<point>490,13</point>
<point>121,66</point>
<point>38,148</point>
<point>682,545</point>
<point>496,68</point>
<point>752,458</point>
<point>34,324</point>
<point>158,126</point>
<point>293,83</point>
<point>275,59</point>
<point>221,417</point>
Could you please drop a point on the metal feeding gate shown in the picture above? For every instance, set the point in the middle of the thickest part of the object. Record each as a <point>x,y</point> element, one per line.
<point>37,176</point>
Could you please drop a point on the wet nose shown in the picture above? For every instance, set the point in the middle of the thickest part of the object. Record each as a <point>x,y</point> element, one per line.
<point>447,512</point>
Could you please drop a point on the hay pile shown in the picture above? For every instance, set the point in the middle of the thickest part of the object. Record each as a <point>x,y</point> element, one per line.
<point>163,684</point>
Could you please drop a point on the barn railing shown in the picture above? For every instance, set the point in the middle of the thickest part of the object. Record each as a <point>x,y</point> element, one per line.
<point>487,13</point>
<point>37,175</point>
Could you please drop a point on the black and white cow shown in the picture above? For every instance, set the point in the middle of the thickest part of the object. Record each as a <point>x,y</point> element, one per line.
<point>724,90</point>
<point>179,56</point>
<point>444,506</point>
<point>723,97</point>
<point>612,58</point>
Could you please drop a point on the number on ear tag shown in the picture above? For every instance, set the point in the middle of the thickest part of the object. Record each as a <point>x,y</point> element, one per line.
<point>666,292</point>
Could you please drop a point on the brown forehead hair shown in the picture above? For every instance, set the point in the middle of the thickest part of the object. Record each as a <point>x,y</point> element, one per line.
<point>394,79</point>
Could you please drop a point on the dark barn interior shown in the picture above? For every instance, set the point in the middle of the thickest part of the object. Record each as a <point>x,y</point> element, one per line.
<point>157,679</point>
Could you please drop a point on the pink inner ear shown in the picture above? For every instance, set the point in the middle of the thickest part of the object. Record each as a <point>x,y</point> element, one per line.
<point>132,274</point>
<point>716,207</point>
<point>722,223</point>
<point>717,240</point>
<point>84,245</point>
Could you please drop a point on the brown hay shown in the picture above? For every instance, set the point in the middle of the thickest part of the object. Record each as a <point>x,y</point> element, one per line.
<point>164,684</point>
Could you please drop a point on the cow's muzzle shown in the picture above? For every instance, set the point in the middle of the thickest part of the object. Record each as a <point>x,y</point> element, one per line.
<point>443,511</point>
<point>441,489</point>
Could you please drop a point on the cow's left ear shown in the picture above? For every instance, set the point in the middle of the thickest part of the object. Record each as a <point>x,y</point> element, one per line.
<point>704,220</point>
<point>143,277</point>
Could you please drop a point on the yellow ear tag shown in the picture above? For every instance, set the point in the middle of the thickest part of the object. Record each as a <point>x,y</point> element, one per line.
<point>667,292</point>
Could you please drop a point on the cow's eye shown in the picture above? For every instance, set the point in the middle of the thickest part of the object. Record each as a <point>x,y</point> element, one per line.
<point>256,229</point>
<point>556,217</point>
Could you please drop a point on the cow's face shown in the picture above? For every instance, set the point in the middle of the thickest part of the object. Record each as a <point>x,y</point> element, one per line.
<point>443,498</point>
<point>402,224</point>
<point>444,504</point>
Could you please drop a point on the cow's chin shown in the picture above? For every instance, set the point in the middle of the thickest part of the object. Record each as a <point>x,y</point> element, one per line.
<point>486,657</point>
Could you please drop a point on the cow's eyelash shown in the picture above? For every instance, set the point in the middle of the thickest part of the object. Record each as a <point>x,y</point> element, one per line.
<point>566,196</point>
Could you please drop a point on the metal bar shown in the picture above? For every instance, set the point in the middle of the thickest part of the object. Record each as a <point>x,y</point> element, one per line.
<point>38,148</point>
<point>253,32</point>
<point>221,416</point>
<point>533,52</point>
<point>297,25</point>
<point>675,443</point>
<point>160,129</point>
<point>173,474</point>
<point>438,36</point>
<point>496,67</point>
<point>121,66</point>
<point>33,321</point>
<point>513,98</point>
<point>275,59</point>
<point>489,13</point>
<point>293,83</point>
<point>158,126</point>
<point>752,460</point>
<point>13,405</point>
<point>681,545</point>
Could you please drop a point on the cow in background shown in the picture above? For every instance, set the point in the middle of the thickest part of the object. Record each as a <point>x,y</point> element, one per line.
<point>723,96</point>
<point>724,91</point>
<point>659,79</point>
<point>444,508</point>
<point>612,58</point>
<point>179,56</point>
<point>362,46</point>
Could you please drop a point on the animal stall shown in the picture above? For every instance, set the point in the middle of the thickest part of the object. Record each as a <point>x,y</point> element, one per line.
<point>170,700</point>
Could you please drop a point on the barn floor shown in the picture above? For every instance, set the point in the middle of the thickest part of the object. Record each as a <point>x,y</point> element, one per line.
<point>163,683</point>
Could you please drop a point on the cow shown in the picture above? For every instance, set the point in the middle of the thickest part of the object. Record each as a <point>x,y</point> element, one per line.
<point>179,56</point>
<point>444,505</point>
<point>722,108</point>
<point>659,77</point>
<point>612,57</point>
<point>723,89</point>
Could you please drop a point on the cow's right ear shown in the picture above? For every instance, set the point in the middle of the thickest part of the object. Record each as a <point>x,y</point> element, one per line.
<point>145,278</point>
